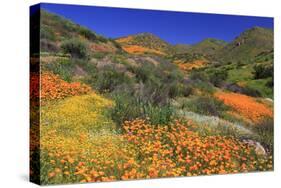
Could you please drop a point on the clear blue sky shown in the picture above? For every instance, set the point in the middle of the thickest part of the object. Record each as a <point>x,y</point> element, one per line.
<point>174,27</point>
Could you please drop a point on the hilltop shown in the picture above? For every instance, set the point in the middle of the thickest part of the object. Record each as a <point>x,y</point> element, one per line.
<point>208,46</point>
<point>247,45</point>
<point>144,43</point>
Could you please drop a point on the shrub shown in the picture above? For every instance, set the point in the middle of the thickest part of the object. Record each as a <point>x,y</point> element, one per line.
<point>206,105</point>
<point>270,83</point>
<point>75,47</point>
<point>195,75</point>
<point>204,86</point>
<point>48,46</point>
<point>265,130</point>
<point>47,33</point>
<point>179,89</point>
<point>217,77</point>
<point>251,91</point>
<point>87,33</point>
<point>263,71</point>
<point>108,79</point>
<point>61,67</point>
<point>128,107</point>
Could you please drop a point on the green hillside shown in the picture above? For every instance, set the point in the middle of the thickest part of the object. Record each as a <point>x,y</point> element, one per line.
<point>247,45</point>
<point>208,46</point>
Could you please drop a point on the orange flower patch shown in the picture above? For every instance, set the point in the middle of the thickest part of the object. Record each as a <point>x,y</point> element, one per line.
<point>247,106</point>
<point>176,151</point>
<point>135,49</point>
<point>52,87</point>
<point>188,66</point>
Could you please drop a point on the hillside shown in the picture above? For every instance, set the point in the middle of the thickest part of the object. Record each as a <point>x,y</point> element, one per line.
<point>247,45</point>
<point>138,107</point>
<point>208,46</point>
<point>144,43</point>
<point>56,29</point>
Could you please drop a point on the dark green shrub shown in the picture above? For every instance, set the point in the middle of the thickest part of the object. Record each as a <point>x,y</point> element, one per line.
<point>129,107</point>
<point>196,75</point>
<point>61,67</point>
<point>251,91</point>
<point>270,83</point>
<point>178,89</point>
<point>263,71</point>
<point>108,79</point>
<point>206,105</point>
<point>87,33</point>
<point>265,131</point>
<point>75,47</point>
<point>218,77</point>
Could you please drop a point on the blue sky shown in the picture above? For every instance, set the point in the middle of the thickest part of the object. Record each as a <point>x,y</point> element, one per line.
<point>173,27</point>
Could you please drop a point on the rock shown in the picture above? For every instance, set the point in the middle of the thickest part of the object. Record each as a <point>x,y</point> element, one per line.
<point>259,149</point>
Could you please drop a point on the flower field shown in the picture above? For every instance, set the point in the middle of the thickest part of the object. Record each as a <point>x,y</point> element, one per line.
<point>247,106</point>
<point>142,151</point>
<point>55,88</point>
<point>139,107</point>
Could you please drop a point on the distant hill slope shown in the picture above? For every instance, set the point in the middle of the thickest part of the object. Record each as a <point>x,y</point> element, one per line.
<point>208,46</point>
<point>248,45</point>
<point>55,29</point>
<point>144,43</point>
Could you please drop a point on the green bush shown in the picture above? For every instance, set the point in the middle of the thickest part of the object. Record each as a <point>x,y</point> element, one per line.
<point>265,131</point>
<point>76,48</point>
<point>206,105</point>
<point>47,33</point>
<point>217,77</point>
<point>61,67</point>
<point>108,79</point>
<point>128,107</point>
<point>263,71</point>
<point>196,75</point>
<point>87,33</point>
<point>251,91</point>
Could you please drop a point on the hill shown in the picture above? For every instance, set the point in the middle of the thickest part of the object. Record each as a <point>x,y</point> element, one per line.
<point>144,43</point>
<point>247,45</point>
<point>54,30</point>
<point>208,46</point>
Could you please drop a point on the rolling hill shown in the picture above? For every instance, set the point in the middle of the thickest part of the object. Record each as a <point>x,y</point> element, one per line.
<point>208,46</point>
<point>144,43</point>
<point>247,45</point>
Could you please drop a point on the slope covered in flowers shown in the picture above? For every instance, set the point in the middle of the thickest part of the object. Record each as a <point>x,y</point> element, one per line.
<point>245,105</point>
<point>143,151</point>
<point>52,87</point>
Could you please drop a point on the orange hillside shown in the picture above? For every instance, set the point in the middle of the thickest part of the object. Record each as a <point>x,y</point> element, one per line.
<point>187,66</point>
<point>135,49</point>
<point>247,106</point>
<point>52,87</point>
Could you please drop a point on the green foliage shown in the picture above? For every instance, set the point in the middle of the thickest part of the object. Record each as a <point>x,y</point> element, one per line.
<point>198,75</point>
<point>218,77</point>
<point>205,105</point>
<point>128,107</point>
<point>87,33</point>
<point>208,46</point>
<point>47,33</point>
<point>108,80</point>
<point>76,48</point>
<point>263,71</point>
<point>265,131</point>
<point>247,46</point>
<point>62,67</point>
